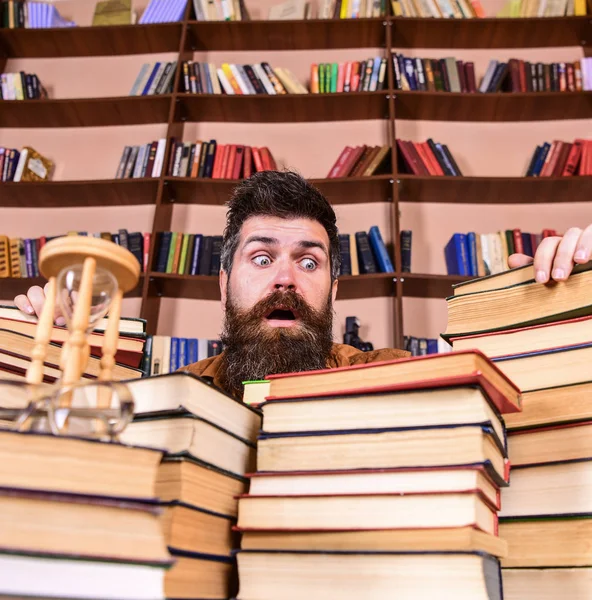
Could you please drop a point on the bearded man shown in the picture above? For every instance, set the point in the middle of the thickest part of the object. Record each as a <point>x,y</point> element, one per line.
<point>278,280</point>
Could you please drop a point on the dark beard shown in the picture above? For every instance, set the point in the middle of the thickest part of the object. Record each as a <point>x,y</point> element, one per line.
<point>253,350</point>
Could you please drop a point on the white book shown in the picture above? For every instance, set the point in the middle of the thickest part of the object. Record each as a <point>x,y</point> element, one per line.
<point>227,10</point>
<point>224,82</point>
<point>199,14</point>
<point>239,79</point>
<point>159,158</point>
<point>140,79</point>
<point>62,578</point>
<point>20,165</point>
<point>488,75</point>
<point>4,83</point>
<point>542,8</point>
<point>260,72</point>
<point>246,78</point>
<point>202,349</point>
<point>485,253</point>
<point>216,89</point>
<point>137,172</point>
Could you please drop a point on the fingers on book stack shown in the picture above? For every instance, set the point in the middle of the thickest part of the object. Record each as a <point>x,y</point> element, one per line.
<point>377,478</point>
<point>209,439</point>
<point>17,340</point>
<point>79,519</point>
<point>541,337</point>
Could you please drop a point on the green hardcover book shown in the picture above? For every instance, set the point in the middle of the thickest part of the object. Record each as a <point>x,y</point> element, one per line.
<point>510,240</point>
<point>321,68</point>
<point>171,256</point>
<point>334,71</point>
<point>183,258</point>
<point>186,265</point>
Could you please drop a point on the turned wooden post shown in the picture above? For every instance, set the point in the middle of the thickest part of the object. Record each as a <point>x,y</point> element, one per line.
<point>42,335</point>
<point>110,348</point>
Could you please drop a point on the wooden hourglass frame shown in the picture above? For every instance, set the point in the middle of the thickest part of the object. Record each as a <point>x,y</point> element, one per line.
<point>92,254</point>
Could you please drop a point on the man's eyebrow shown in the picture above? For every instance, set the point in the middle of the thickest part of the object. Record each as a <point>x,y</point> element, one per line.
<point>313,244</point>
<point>261,239</point>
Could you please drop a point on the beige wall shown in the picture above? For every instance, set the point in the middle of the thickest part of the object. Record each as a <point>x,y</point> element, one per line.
<point>495,149</point>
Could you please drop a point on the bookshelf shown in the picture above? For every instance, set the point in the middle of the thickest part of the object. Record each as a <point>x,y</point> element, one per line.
<point>391,107</point>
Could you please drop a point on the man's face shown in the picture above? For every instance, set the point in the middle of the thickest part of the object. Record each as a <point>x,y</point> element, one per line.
<point>284,255</point>
<point>278,301</point>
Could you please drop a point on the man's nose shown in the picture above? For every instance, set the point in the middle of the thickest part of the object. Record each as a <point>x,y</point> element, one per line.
<point>285,278</point>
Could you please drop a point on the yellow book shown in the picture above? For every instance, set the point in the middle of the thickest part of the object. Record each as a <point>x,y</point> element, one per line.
<point>580,8</point>
<point>4,257</point>
<point>15,259</point>
<point>113,12</point>
<point>228,72</point>
<point>183,259</point>
<point>344,13</point>
<point>397,11</point>
<point>353,250</point>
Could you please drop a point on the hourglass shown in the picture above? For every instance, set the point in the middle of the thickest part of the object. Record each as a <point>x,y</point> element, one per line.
<point>87,277</point>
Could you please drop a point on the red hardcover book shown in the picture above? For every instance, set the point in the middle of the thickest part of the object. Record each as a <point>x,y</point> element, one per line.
<point>518,245</point>
<point>353,157</point>
<point>334,172</point>
<point>462,76</point>
<point>229,167</point>
<point>468,367</point>
<point>573,159</point>
<point>238,162</point>
<point>248,162</point>
<point>146,251</point>
<point>347,82</point>
<point>522,76</point>
<point>257,160</point>
<point>561,159</point>
<point>412,159</point>
<point>355,78</point>
<point>436,169</point>
<point>545,170</point>
<point>218,157</point>
<point>416,149</point>
<point>267,159</point>
<point>470,77</point>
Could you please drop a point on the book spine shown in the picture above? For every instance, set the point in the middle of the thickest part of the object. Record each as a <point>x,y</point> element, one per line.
<point>344,252</point>
<point>405,245</point>
<point>378,246</point>
<point>365,256</point>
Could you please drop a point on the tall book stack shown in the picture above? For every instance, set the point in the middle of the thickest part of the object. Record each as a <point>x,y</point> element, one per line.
<point>78,519</point>
<point>377,478</point>
<point>541,337</point>
<point>210,442</point>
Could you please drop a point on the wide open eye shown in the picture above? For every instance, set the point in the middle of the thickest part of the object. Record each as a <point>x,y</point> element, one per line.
<point>308,264</point>
<point>262,260</point>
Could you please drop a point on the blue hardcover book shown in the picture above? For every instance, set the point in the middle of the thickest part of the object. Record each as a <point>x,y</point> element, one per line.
<point>432,346</point>
<point>472,247</point>
<point>379,250</point>
<point>29,257</point>
<point>445,160</point>
<point>456,254</point>
<point>533,161</point>
<point>191,351</point>
<point>410,73</point>
<point>527,244</point>
<point>182,353</point>
<point>538,166</point>
<point>150,79</point>
<point>174,355</point>
<point>375,73</point>
<point>163,251</point>
<point>196,254</point>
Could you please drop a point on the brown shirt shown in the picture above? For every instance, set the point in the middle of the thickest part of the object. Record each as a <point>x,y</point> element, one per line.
<point>342,355</point>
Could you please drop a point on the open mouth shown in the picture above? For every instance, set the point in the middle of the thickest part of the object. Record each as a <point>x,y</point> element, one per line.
<point>282,314</point>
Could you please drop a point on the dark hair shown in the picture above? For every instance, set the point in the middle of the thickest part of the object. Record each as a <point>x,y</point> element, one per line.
<point>283,194</point>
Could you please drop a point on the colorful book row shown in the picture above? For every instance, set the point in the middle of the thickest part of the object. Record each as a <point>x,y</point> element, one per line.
<point>219,161</point>
<point>363,253</point>
<point>352,76</point>
<point>561,159</point>
<point>21,86</point>
<point>361,161</point>
<point>154,78</point>
<point>141,161</point>
<point>426,158</point>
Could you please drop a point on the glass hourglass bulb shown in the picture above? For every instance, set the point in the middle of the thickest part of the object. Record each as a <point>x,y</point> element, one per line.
<point>104,286</point>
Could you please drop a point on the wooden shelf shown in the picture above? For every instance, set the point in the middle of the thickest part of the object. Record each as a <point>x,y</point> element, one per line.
<point>495,190</point>
<point>13,286</point>
<point>107,40</point>
<point>500,106</point>
<point>61,194</point>
<point>85,112</point>
<point>205,287</point>
<point>313,34</point>
<point>263,108</point>
<point>490,33</point>
<point>348,190</point>
<point>429,286</point>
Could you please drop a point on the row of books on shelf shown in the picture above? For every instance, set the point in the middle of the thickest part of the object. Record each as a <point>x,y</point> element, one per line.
<point>142,161</point>
<point>154,78</point>
<point>561,159</point>
<point>426,158</point>
<point>16,14</point>
<point>361,161</point>
<point>235,79</point>
<point>165,354</point>
<point>21,86</point>
<point>187,253</point>
<point>364,252</point>
<point>24,165</point>
<point>515,75</point>
<point>218,161</point>
<point>477,255</point>
<point>19,257</point>
<point>469,9</point>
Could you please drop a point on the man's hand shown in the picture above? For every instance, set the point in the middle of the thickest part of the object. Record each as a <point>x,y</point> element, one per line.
<point>555,256</point>
<point>32,303</point>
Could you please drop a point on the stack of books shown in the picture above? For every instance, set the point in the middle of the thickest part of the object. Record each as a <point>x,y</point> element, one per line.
<point>17,340</point>
<point>21,86</point>
<point>210,442</point>
<point>376,478</point>
<point>79,519</point>
<point>166,354</point>
<point>541,337</point>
